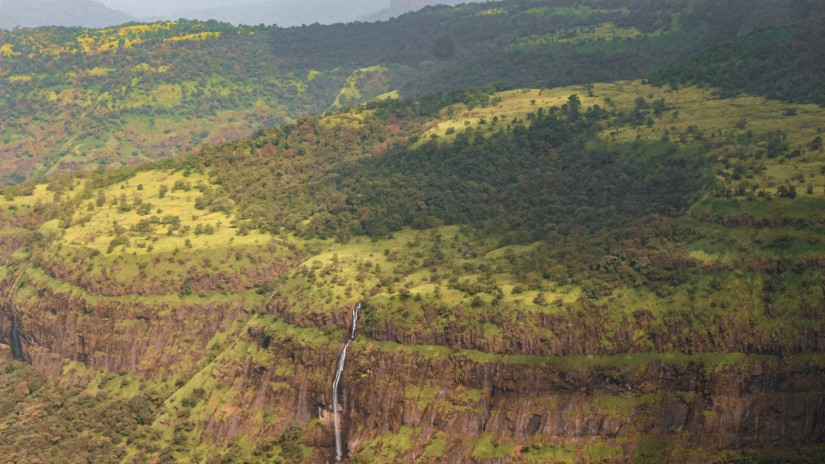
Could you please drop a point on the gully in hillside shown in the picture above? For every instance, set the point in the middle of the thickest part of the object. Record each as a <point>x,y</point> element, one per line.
<point>339,453</point>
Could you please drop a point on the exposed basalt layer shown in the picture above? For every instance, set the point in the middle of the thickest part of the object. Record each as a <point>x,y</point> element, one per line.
<point>432,393</point>
<point>154,340</point>
<point>681,404</point>
<point>580,331</point>
<point>757,402</point>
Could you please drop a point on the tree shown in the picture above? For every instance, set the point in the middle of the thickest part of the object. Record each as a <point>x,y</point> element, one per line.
<point>816,144</point>
<point>574,106</point>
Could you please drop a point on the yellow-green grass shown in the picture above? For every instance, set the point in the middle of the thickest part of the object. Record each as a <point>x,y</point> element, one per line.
<point>550,454</point>
<point>354,266</point>
<point>493,12</point>
<point>125,386</point>
<point>352,119</point>
<point>726,244</point>
<point>689,111</point>
<point>7,49</point>
<point>93,225</point>
<point>198,36</point>
<point>583,11</point>
<point>112,39</point>
<point>392,95</point>
<point>602,32</point>
<point>699,110</point>
<point>508,105</point>
<point>159,258</point>
<point>351,91</point>
<point>39,196</point>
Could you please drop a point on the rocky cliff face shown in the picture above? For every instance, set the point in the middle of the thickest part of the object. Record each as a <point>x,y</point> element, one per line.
<point>423,403</point>
<point>580,331</point>
<point>48,328</point>
<point>628,411</point>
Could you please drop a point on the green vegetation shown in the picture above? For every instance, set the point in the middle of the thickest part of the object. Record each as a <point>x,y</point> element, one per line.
<point>782,63</point>
<point>467,260</point>
<point>549,454</point>
<point>486,448</point>
<point>593,273</point>
<point>43,421</point>
<point>76,99</point>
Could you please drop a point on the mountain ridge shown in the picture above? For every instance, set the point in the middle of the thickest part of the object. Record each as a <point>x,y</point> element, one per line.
<point>399,7</point>
<point>212,82</point>
<point>222,283</point>
<point>36,13</point>
<point>619,271</point>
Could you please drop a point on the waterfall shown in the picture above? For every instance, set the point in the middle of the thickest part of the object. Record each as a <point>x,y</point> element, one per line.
<point>16,346</point>
<point>339,452</point>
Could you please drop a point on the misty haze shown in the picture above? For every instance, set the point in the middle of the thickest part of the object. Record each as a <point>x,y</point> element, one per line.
<point>92,13</point>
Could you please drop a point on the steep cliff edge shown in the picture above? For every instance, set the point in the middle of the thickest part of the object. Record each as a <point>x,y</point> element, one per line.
<point>687,327</point>
<point>429,403</point>
<point>433,404</point>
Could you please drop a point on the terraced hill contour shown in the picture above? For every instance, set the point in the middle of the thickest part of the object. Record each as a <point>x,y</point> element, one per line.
<point>173,291</point>
<point>76,99</point>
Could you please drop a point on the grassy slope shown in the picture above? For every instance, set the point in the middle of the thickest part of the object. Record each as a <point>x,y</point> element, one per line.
<point>390,273</point>
<point>75,99</point>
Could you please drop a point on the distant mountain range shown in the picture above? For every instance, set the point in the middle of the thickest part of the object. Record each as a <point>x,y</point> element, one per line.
<point>399,7</point>
<point>35,13</point>
<point>520,231</point>
<point>284,13</point>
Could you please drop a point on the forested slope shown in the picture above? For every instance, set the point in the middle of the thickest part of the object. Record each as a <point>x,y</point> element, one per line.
<point>782,63</point>
<point>78,98</point>
<point>624,271</point>
<point>622,253</point>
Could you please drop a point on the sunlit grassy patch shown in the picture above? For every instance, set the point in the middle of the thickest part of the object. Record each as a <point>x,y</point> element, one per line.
<point>195,37</point>
<point>585,12</point>
<point>389,447</point>
<point>550,454</point>
<point>485,447</point>
<point>360,83</point>
<point>394,275</point>
<point>493,12</point>
<point>19,79</point>
<point>504,110</point>
<point>7,49</point>
<point>601,32</point>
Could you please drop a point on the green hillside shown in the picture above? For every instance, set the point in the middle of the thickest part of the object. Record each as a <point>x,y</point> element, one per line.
<point>577,233</point>
<point>782,63</point>
<point>75,99</point>
<point>615,231</point>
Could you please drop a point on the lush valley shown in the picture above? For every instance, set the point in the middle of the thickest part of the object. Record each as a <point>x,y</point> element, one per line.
<point>75,98</point>
<point>618,271</point>
<point>187,272</point>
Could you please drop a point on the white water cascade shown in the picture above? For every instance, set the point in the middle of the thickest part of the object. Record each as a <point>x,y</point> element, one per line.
<point>339,452</point>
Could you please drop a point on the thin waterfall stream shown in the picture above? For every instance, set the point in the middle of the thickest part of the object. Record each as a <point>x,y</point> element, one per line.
<point>342,358</point>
